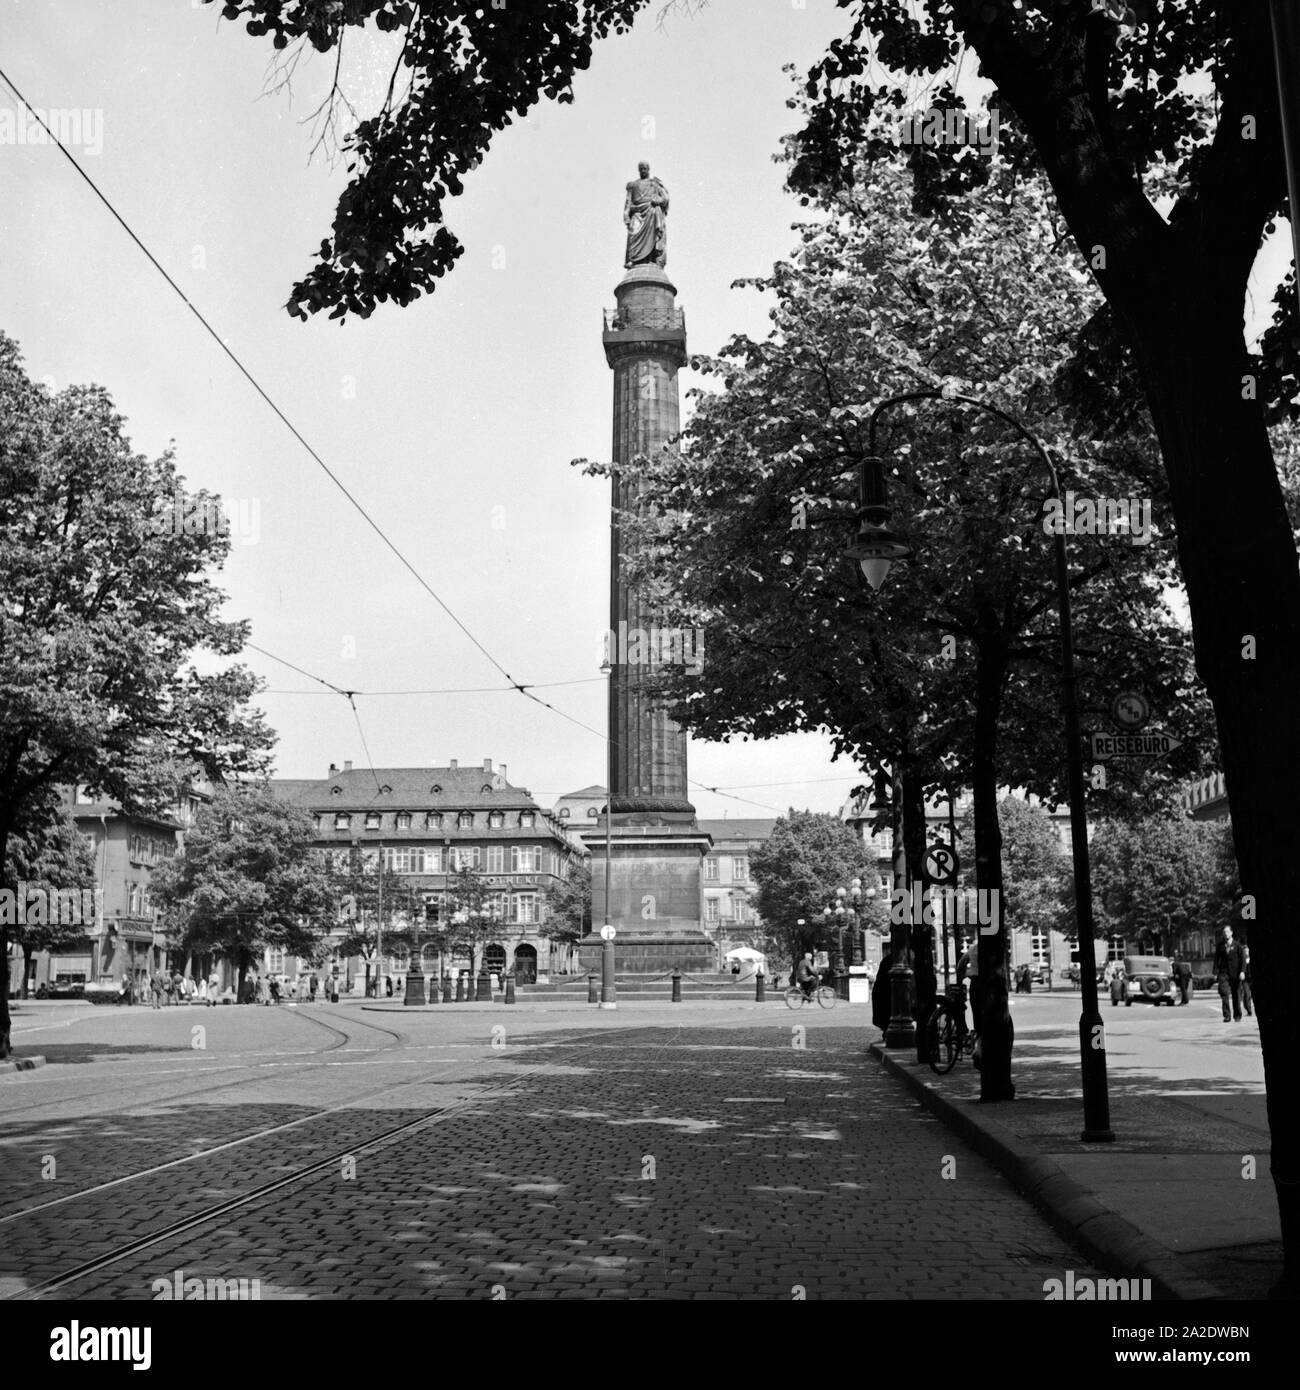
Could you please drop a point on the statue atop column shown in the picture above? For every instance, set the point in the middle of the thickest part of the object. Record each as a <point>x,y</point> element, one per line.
<point>645,215</point>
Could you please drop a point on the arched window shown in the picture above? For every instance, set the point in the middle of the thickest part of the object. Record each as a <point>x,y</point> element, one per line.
<point>494,957</point>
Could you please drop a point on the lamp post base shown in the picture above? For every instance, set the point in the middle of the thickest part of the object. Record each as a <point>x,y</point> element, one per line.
<point>414,989</point>
<point>901,1031</point>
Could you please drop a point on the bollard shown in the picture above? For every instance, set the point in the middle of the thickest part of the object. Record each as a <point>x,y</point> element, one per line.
<point>510,989</point>
<point>446,989</point>
<point>460,987</point>
<point>484,991</point>
<point>593,994</point>
<point>677,986</point>
<point>760,988</point>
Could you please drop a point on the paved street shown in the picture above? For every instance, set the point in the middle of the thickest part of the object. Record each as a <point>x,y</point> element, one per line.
<point>698,1151</point>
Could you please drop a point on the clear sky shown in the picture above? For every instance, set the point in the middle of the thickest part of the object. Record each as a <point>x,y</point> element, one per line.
<point>453,421</point>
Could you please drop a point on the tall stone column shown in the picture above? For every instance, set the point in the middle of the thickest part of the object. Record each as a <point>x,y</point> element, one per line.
<point>656,892</point>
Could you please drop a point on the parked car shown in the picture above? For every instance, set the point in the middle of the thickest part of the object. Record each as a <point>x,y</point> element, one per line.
<point>105,992</point>
<point>61,989</point>
<point>1149,978</point>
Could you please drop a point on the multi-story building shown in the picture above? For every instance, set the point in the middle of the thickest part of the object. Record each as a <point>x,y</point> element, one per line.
<point>579,811</point>
<point>422,825</point>
<point>728,911</point>
<point>123,941</point>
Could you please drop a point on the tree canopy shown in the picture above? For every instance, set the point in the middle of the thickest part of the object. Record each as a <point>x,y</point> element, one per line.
<point>248,880</point>
<point>796,871</point>
<point>108,610</point>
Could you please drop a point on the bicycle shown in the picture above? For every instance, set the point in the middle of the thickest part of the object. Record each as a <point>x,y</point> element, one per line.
<point>949,1036</point>
<point>795,998</point>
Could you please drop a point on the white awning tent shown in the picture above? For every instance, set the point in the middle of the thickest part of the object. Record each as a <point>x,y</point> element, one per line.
<point>744,953</point>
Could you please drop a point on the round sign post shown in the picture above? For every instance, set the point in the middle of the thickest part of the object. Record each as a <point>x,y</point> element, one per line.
<point>942,864</point>
<point>1130,710</point>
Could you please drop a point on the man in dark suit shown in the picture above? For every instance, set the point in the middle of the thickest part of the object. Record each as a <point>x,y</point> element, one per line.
<point>1227,970</point>
<point>1183,974</point>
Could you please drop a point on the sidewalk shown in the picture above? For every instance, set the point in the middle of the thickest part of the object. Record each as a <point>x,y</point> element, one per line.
<point>1172,1199</point>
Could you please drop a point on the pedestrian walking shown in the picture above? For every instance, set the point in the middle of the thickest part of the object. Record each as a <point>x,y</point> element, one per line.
<point>968,970</point>
<point>156,990</point>
<point>388,985</point>
<point>275,990</point>
<point>1117,983</point>
<point>1247,998</point>
<point>314,983</point>
<point>1183,974</point>
<point>1227,972</point>
<point>334,989</point>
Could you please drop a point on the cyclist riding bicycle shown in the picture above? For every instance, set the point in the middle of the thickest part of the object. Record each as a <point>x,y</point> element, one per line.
<point>806,977</point>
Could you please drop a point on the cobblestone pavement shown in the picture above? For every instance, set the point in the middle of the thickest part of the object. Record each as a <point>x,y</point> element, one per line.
<point>705,1152</point>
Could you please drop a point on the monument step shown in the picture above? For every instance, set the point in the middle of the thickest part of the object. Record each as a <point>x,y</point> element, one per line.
<point>723,985</point>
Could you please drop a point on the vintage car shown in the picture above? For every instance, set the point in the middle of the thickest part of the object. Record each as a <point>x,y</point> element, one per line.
<point>61,989</point>
<point>1150,978</point>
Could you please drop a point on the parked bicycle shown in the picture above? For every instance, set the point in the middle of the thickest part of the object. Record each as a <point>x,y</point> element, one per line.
<point>950,1037</point>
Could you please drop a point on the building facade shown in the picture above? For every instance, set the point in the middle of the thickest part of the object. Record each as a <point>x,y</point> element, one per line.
<point>123,942</point>
<point>418,826</point>
<point>729,915</point>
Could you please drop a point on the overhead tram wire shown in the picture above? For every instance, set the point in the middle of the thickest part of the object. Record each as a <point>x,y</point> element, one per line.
<point>253,382</point>
<point>520,686</point>
<point>350,695</point>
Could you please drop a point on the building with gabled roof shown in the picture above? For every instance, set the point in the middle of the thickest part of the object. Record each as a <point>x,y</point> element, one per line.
<point>424,823</point>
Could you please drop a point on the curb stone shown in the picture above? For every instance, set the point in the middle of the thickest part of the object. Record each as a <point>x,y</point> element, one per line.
<point>1112,1242</point>
<point>17,1064</point>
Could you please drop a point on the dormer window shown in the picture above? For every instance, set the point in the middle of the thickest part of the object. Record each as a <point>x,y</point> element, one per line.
<point>436,788</point>
<point>433,820</point>
<point>342,821</point>
<point>496,820</point>
<point>526,819</point>
<point>403,820</point>
<point>385,790</point>
<point>372,820</point>
<point>486,787</point>
<point>564,813</point>
<point>336,791</point>
<point>465,820</point>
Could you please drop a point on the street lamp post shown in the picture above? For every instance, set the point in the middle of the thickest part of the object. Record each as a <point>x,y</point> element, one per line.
<point>875,548</point>
<point>414,993</point>
<point>608,982</point>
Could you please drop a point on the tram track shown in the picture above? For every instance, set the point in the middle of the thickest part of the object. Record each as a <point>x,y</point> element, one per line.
<point>274,1060</point>
<point>306,1173</point>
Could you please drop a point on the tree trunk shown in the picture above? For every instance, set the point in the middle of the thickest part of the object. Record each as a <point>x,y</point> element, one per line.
<point>991,949</point>
<point>6,1026</point>
<point>1243,585</point>
<point>27,969</point>
<point>921,934</point>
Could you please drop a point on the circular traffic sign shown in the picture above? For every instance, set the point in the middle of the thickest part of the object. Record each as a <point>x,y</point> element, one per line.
<point>1130,710</point>
<point>942,864</point>
<point>608,932</point>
